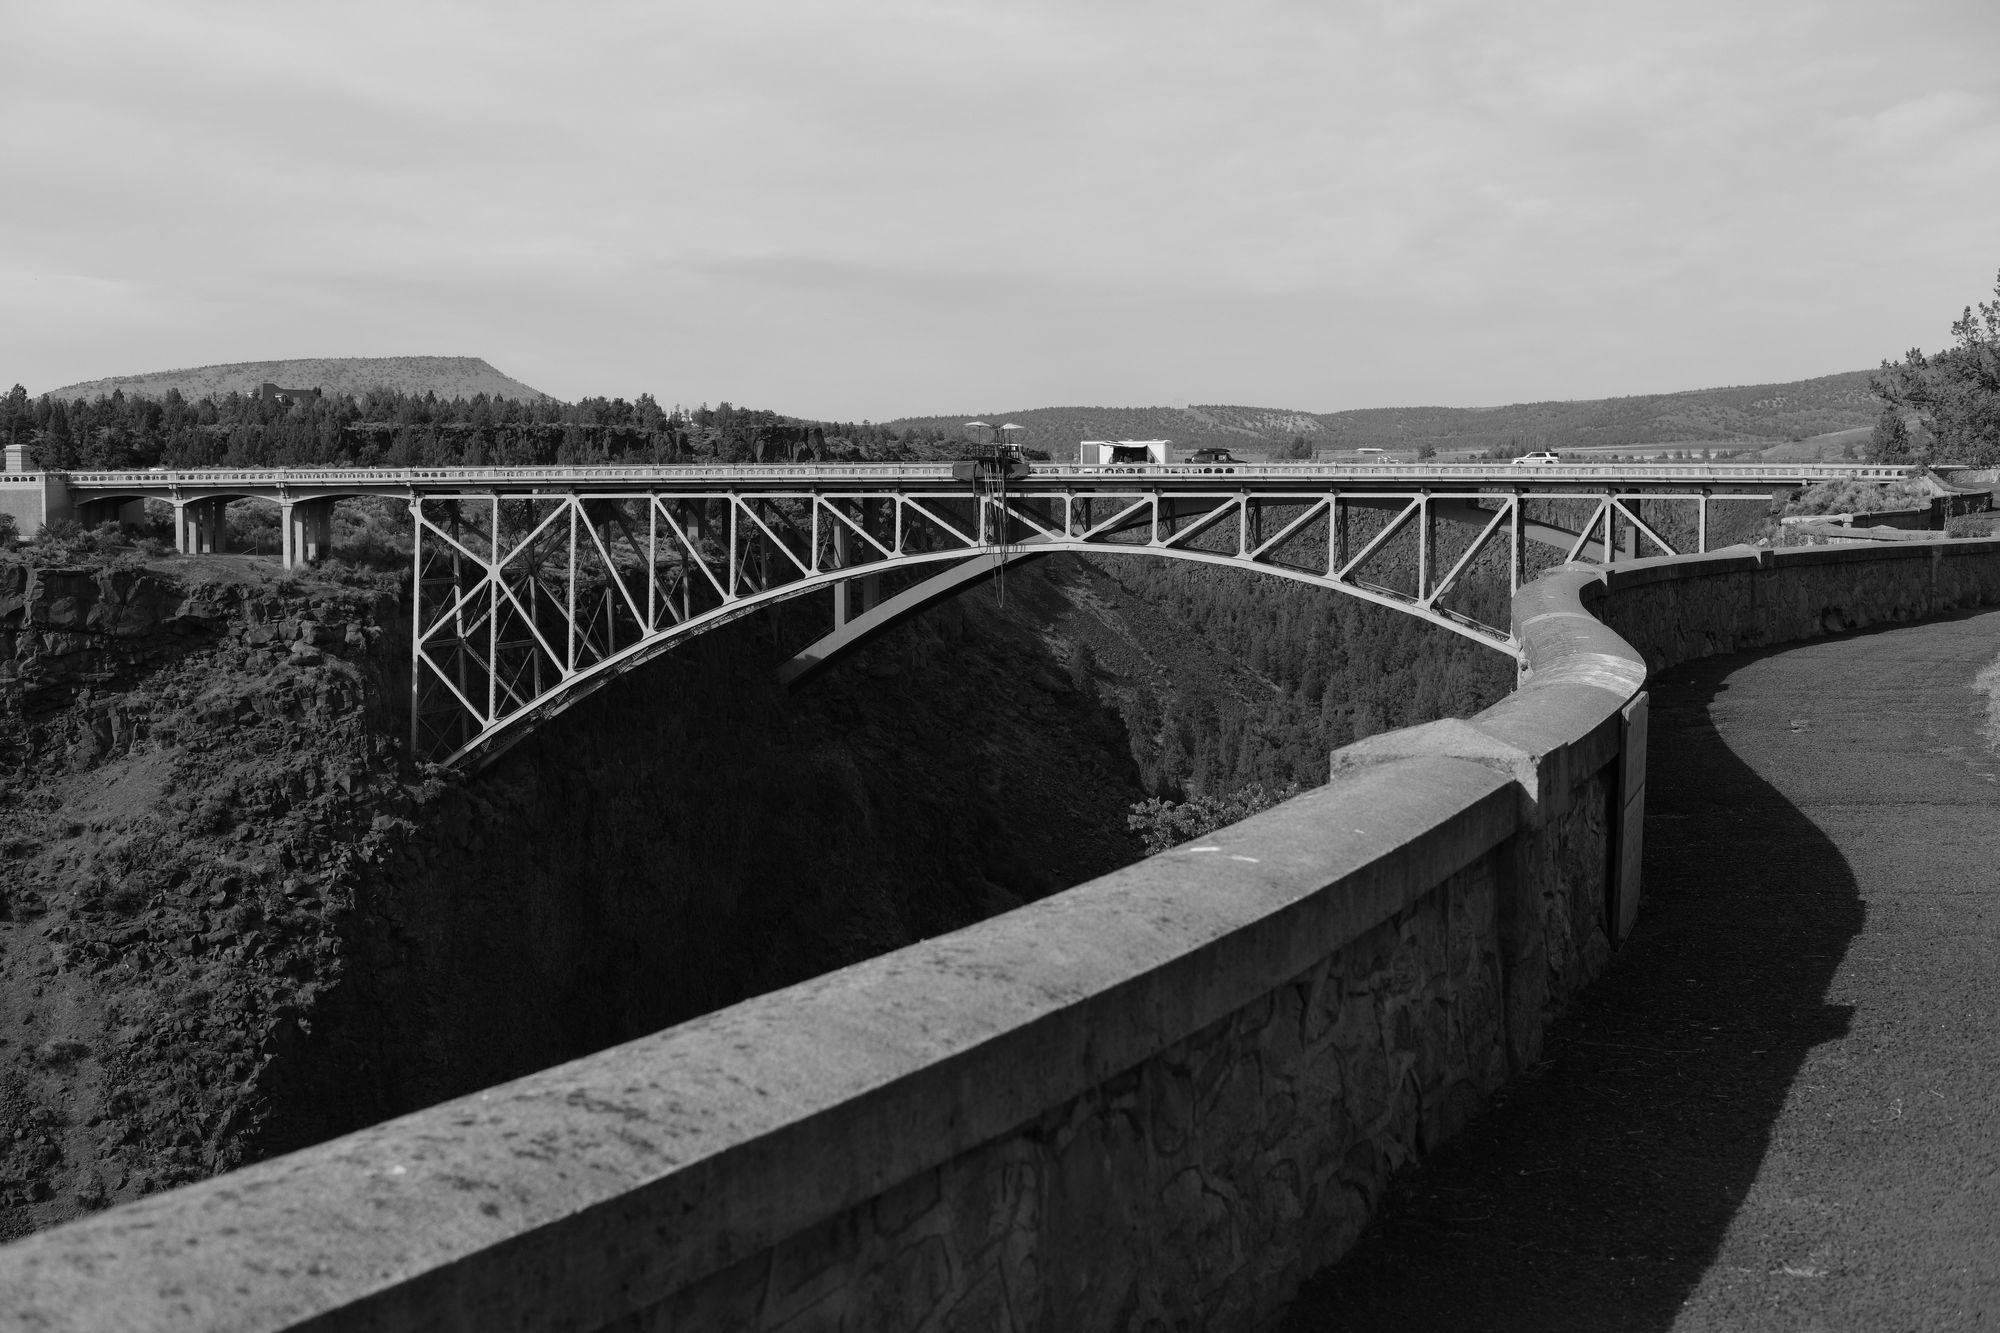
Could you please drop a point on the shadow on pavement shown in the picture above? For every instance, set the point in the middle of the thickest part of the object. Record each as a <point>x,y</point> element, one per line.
<point>1597,1189</point>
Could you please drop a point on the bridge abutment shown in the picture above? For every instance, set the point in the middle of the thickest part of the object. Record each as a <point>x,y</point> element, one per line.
<point>33,499</point>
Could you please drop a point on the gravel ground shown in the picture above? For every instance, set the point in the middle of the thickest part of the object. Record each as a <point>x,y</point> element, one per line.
<point>1782,1108</point>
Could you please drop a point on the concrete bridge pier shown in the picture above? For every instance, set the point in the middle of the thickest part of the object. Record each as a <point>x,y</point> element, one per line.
<point>307,526</point>
<point>198,526</point>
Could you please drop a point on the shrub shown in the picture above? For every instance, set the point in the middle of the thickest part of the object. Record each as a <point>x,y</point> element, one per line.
<point>1164,824</point>
<point>1971,525</point>
<point>372,532</point>
<point>1848,496</point>
<point>252,525</point>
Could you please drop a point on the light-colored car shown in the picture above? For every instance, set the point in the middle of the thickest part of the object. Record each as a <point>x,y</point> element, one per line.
<point>1539,459</point>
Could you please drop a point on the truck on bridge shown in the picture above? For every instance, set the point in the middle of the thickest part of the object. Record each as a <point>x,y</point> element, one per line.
<point>1107,453</point>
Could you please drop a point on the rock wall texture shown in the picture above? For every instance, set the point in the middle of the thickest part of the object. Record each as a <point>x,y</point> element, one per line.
<point>234,920</point>
<point>1188,1190</point>
<point>183,770</point>
<point>1675,610</point>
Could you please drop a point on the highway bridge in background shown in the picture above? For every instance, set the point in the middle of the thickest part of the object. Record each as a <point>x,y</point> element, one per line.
<point>535,586</point>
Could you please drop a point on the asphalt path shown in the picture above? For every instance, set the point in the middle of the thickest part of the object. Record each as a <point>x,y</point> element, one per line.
<point>1781,1108</point>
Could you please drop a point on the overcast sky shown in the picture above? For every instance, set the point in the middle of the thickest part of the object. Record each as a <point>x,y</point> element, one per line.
<point>871,209</point>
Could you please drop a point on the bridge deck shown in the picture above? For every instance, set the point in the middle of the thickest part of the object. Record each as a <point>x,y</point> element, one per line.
<point>1782,1107</point>
<point>1693,477</point>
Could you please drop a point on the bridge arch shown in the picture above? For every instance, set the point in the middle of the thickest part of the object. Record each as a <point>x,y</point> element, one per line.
<point>525,605</point>
<point>881,617</point>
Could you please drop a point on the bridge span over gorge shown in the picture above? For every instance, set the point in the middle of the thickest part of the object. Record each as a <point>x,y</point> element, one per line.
<point>1160,1098</point>
<point>536,586</point>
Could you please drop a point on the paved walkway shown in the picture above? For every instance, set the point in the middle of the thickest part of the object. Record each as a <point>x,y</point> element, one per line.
<point>1782,1108</point>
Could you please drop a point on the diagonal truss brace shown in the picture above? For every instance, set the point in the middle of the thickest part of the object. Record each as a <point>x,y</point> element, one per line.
<point>515,618</point>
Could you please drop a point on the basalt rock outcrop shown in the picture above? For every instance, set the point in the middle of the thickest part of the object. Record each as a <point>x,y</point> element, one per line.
<point>182,770</point>
<point>236,917</point>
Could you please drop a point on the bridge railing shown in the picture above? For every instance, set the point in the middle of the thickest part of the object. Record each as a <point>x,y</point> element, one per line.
<point>502,476</point>
<point>703,474</point>
<point>1509,472</point>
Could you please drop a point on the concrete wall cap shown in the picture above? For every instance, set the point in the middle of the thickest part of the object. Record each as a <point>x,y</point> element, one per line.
<point>1613,672</point>
<point>1672,568</point>
<point>1451,737</point>
<point>1921,548</point>
<point>1563,643</point>
<point>1554,715</point>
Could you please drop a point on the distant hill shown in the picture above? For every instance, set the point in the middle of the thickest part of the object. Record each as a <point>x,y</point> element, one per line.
<point>1057,429</point>
<point>446,376</point>
<point>1745,416</point>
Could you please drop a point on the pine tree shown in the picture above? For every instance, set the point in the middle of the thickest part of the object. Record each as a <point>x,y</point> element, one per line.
<point>15,416</point>
<point>1890,441</point>
<point>1953,394</point>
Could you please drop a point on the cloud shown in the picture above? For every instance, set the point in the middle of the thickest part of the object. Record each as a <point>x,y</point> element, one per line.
<point>879,206</point>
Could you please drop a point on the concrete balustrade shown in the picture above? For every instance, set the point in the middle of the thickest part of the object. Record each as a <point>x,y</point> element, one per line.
<point>1165,1094</point>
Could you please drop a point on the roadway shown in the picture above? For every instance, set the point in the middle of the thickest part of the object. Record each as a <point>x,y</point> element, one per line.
<point>1781,1109</point>
<point>306,483</point>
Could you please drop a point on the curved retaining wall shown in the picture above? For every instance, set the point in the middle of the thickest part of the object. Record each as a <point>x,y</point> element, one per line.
<point>1168,1093</point>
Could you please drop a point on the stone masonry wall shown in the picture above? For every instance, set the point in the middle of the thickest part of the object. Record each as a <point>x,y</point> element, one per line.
<point>1675,610</point>
<point>1197,1187</point>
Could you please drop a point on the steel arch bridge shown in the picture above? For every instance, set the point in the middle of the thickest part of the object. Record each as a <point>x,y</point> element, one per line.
<point>534,587</point>
<point>529,598</point>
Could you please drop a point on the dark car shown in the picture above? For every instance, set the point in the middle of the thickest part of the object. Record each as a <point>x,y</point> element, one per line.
<point>1211,456</point>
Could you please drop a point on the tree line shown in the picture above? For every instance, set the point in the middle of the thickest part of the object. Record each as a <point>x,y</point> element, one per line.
<point>1944,407</point>
<point>1339,669</point>
<point>393,428</point>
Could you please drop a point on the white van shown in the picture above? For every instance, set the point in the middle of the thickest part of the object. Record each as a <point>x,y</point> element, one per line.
<point>1122,453</point>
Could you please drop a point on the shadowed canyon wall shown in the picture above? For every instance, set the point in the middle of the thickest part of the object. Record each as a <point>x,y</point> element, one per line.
<point>236,920</point>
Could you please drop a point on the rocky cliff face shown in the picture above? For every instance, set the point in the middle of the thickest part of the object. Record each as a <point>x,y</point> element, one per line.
<point>234,918</point>
<point>182,767</point>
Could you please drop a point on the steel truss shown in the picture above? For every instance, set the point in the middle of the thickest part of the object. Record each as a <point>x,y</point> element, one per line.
<point>526,602</point>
